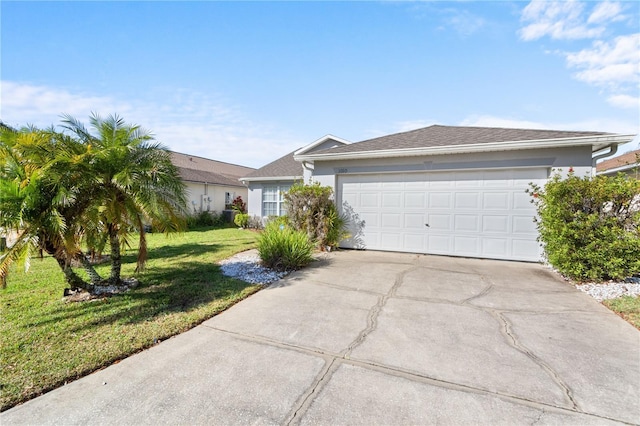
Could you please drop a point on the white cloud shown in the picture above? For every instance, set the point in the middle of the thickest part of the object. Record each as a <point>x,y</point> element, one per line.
<point>606,11</point>
<point>612,64</point>
<point>624,101</point>
<point>558,20</point>
<point>615,63</point>
<point>184,121</point>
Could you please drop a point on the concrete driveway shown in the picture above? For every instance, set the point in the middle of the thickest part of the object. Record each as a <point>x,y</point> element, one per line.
<point>378,338</point>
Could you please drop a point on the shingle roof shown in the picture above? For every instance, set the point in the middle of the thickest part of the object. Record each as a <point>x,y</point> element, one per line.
<point>191,175</point>
<point>198,169</point>
<point>283,166</point>
<point>630,158</point>
<point>437,135</point>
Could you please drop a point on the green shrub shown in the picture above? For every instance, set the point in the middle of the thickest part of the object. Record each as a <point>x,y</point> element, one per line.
<point>241,220</point>
<point>311,210</point>
<point>283,248</point>
<point>589,227</point>
<point>206,219</point>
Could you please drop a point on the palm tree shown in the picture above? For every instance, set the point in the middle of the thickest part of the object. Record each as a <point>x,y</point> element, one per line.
<point>135,185</point>
<point>41,199</point>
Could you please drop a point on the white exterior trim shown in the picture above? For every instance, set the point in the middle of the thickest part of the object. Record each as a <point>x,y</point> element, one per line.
<point>318,142</point>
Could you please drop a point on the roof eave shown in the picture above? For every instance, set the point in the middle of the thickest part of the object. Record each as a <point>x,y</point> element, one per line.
<point>597,143</point>
<point>618,169</point>
<point>269,178</point>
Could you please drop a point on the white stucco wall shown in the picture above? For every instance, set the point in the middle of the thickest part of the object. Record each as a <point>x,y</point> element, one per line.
<point>215,196</point>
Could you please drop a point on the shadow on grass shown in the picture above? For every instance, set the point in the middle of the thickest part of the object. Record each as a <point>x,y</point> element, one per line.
<point>179,287</point>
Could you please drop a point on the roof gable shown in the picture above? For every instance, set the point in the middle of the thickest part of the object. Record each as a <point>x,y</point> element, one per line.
<point>287,167</point>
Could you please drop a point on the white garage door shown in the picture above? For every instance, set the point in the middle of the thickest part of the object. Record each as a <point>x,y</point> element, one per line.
<point>480,213</point>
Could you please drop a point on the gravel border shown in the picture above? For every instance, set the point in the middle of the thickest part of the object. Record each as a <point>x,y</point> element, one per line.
<point>611,290</point>
<point>246,266</point>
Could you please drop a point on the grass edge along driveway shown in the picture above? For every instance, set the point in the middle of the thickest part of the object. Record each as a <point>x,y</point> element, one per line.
<point>47,342</point>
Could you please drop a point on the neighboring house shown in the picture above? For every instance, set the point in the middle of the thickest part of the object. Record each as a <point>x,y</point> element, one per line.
<point>628,163</point>
<point>446,190</point>
<point>211,185</point>
<point>268,184</point>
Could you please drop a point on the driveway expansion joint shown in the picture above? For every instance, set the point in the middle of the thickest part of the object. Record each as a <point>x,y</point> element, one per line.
<point>334,360</point>
<point>306,399</point>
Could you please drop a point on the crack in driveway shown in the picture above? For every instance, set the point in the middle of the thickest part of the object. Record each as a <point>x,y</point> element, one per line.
<point>374,312</point>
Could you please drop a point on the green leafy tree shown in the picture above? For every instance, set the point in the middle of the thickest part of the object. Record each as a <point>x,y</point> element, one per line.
<point>135,184</point>
<point>42,199</point>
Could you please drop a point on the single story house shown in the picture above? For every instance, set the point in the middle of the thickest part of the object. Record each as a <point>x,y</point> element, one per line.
<point>628,163</point>
<point>267,184</point>
<point>450,190</point>
<point>211,185</point>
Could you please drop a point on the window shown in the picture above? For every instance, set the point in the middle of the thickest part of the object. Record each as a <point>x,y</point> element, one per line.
<point>273,200</point>
<point>228,199</point>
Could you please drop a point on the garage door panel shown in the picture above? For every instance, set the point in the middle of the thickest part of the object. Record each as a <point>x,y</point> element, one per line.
<point>522,201</point>
<point>440,200</point>
<point>415,199</point>
<point>439,244</point>
<point>391,241</point>
<point>370,199</point>
<point>414,221</point>
<point>466,223</point>
<point>468,246</point>
<point>522,249</point>
<point>440,222</point>
<point>524,225</point>
<point>391,220</point>
<point>391,199</point>
<point>479,213</point>
<point>495,200</point>
<point>467,200</point>
<point>498,247</point>
<point>495,223</point>
<point>394,184</point>
<point>371,220</point>
<point>413,242</point>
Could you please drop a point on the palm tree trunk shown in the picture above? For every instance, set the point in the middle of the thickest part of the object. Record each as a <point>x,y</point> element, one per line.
<point>94,277</point>
<point>71,277</point>
<point>116,260</point>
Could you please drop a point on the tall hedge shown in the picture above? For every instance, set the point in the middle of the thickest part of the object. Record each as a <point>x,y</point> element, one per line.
<point>590,227</point>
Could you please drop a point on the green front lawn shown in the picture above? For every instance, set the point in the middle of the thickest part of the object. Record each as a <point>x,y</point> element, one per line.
<point>47,341</point>
<point>627,307</point>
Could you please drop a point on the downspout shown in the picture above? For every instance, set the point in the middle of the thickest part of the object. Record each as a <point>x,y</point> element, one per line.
<point>612,151</point>
<point>305,165</point>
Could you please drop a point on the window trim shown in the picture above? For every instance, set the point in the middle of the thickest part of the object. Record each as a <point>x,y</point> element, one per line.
<point>281,189</point>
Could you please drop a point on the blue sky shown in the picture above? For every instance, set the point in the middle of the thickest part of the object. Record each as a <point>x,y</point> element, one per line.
<point>247,82</point>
